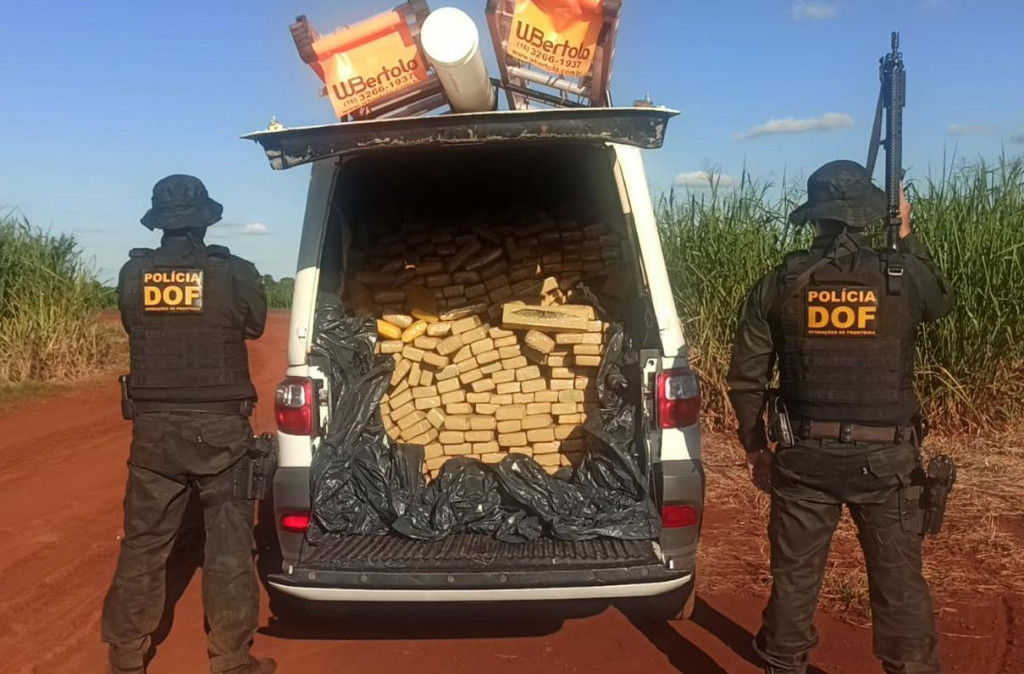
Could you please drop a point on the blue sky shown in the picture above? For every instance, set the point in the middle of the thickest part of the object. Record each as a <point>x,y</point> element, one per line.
<point>102,99</point>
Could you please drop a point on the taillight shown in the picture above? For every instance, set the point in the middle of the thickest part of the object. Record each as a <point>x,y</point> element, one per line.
<point>678,398</point>
<point>295,406</point>
<point>296,523</point>
<point>679,516</point>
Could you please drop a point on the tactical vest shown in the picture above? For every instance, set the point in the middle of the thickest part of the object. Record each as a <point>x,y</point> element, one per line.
<point>187,338</point>
<point>846,342</point>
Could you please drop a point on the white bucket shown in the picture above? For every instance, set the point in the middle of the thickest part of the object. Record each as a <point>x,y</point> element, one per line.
<point>452,43</point>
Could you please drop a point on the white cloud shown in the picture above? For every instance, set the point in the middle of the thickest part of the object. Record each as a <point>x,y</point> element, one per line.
<point>814,11</point>
<point>830,121</point>
<point>254,229</point>
<point>970,129</point>
<point>702,180</point>
<point>226,230</point>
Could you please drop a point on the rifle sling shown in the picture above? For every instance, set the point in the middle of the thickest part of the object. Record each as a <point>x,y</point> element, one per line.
<point>794,287</point>
<point>876,132</point>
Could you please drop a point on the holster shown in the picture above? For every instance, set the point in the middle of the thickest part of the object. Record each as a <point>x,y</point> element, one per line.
<point>127,405</point>
<point>255,472</point>
<point>938,483</point>
<point>780,429</point>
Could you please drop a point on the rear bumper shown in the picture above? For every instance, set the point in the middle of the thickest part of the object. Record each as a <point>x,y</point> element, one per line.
<point>320,588</point>
<point>477,567</point>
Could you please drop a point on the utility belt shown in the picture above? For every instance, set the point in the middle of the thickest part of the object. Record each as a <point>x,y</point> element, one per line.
<point>130,408</point>
<point>784,429</point>
<point>240,407</point>
<point>809,429</point>
<point>929,489</point>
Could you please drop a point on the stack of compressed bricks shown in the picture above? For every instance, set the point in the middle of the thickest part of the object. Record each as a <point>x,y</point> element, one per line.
<point>490,356</point>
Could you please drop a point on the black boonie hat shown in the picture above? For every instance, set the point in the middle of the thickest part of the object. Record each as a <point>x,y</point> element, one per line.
<point>842,190</point>
<point>181,201</point>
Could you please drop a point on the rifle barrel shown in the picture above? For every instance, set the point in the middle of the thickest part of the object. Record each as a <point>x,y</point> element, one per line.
<point>894,88</point>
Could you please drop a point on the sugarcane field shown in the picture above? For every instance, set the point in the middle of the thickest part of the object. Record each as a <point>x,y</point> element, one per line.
<point>505,336</point>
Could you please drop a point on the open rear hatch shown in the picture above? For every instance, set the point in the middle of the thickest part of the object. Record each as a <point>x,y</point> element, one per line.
<point>555,161</point>
<point>639,127</point>
<point>473,561</point>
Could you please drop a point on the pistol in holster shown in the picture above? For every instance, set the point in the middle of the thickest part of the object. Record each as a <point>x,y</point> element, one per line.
<point>255,472</point>
<point>127,404</point>
<point>780,429</point>
<point>938,483</point>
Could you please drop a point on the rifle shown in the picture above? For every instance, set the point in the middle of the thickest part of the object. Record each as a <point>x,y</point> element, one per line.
<point>892,97</point>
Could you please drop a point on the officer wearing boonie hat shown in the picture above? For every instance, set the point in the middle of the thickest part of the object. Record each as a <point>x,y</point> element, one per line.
<point>840,320</point>
<point>188,309</point>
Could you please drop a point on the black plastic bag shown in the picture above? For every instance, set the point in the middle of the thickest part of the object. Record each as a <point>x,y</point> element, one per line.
<point>574,511</point>
<point>614,428</point>
<point>359,484</point>
<point>467,498</point>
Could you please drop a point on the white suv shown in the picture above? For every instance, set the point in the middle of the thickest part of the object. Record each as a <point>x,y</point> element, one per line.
<point>584,155</point>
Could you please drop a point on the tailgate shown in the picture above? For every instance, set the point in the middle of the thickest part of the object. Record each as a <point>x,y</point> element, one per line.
<point>638,127</point>
<point>474,561</point>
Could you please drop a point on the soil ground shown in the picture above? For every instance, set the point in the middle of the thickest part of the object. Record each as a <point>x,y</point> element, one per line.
<point>62,477</point>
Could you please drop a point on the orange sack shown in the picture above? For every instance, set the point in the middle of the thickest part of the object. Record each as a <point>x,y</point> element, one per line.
<point>368,62</point>
<point>565,12</point>
<point>559,36</point>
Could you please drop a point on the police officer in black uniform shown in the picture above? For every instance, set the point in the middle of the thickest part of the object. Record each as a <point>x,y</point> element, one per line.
<point>188,309</point>
<point>840,320</point>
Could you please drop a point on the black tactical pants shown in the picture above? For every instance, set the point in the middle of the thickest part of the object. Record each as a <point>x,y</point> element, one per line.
<point>171,454</point>
<point>810,484</point>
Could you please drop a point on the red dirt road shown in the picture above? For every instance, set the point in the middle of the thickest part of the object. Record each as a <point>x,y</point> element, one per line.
<point>62,475</point>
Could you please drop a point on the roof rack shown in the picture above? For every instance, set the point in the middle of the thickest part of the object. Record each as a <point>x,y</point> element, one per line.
<point>555,52</point>
<point>375,68</point>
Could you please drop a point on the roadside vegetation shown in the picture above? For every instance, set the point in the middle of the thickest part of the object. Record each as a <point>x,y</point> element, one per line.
<point>279,293</point>
<point>970,372</point>
<point>49,303</point>
<point>50,307</point>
